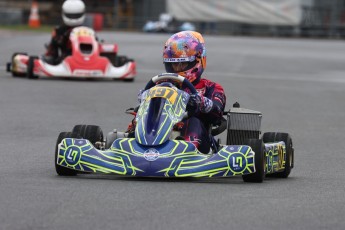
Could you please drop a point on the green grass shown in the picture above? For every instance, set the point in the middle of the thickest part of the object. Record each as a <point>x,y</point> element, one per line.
<point>42,28</point>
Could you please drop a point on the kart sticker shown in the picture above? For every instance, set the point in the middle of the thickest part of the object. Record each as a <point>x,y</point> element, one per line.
<point>151,154</point>
<point>87,73</point>
<point>72,155</point>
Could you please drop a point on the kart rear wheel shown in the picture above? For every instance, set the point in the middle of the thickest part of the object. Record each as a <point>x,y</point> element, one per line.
<point>60,170</point>
<point>289,161</point>
<point>269,137</point>
<point>31,65</point>
<point>93,133</point>
<point>258,147</point>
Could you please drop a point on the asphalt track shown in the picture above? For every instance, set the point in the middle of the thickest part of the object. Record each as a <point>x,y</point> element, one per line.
<point>298,85</point>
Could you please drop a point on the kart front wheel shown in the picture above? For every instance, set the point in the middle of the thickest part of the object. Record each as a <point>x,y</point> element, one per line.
<point>121,60</point>
<point>271,137</point>
<point>31,65</point>
<point>128,79</point>
<point>93,133</point>
<point>259,149</point>
<point>60,170</point>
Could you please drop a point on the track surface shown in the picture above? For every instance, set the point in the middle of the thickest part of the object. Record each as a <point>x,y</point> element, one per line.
<point>298,85</point>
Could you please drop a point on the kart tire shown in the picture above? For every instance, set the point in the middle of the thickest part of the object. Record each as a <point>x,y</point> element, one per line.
<point>258,147</point>
<point>60,170</point>
<point>93,133</point>
<point>111,57</point>
<point>121,60</point>
<point>289,161</point>
<point>30,71</point>
<point>9,66</point>
<point>269,137</point>
<point>128,79</point>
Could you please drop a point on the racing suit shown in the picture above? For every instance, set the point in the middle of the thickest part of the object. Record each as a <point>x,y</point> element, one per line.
<point>59,46</point>
<point>210,112</point>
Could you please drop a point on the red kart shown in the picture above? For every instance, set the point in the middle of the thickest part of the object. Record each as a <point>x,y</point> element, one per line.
<point>89,59</point>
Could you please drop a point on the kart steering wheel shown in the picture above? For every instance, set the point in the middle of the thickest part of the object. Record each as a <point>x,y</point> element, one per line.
<point>173,77</point>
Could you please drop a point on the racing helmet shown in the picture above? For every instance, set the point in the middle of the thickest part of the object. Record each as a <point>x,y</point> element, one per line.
<point>185,54</point>
<point>73,12</point>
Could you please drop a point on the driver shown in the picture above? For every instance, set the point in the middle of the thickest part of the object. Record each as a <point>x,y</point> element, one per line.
<point>185,54</point>
<point>73,15</point>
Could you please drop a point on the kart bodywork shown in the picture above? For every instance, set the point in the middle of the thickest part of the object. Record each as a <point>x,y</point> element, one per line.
<point>154,151</point>
<point>89,59</point>
<point>174,158</point>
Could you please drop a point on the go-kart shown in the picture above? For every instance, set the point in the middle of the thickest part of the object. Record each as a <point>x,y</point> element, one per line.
<point>88,59</point>
<point>154,147</point>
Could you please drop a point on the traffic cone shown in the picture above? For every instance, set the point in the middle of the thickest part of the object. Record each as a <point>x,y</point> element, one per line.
<point>34,18</point>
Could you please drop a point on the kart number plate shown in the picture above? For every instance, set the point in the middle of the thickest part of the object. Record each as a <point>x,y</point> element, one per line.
<point>87,73</point>
<point>163,92</point>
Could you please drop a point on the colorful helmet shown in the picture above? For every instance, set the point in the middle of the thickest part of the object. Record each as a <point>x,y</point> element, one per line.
<point>73,12</point>
<point>185,54</point>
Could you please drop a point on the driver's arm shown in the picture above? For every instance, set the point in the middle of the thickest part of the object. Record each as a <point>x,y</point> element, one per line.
<point>217,96</point>
<point>53,49</point>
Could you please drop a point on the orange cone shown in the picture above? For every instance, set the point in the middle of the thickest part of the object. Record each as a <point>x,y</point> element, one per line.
<point>34,18</point>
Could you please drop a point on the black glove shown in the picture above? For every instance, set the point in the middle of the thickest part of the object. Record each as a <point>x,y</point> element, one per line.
<point>199,103</point>
<point>193,103</point>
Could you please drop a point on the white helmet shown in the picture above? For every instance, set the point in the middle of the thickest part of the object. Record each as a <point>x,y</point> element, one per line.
<point>73,12</point>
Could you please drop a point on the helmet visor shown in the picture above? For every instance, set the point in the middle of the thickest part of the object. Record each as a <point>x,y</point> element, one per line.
<point>175,65</point>
<point>73,16</point>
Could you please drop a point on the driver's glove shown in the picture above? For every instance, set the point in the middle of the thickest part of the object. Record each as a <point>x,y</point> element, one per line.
<point>198,103</point>
<point>140,94</point>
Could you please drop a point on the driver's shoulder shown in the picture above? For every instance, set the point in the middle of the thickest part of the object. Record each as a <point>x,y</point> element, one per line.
<point>206,83</point>
<point>62,29</point>
<point>213,83</point>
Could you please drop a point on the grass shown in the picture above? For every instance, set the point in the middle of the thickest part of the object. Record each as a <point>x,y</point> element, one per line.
<point>42,28</point>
